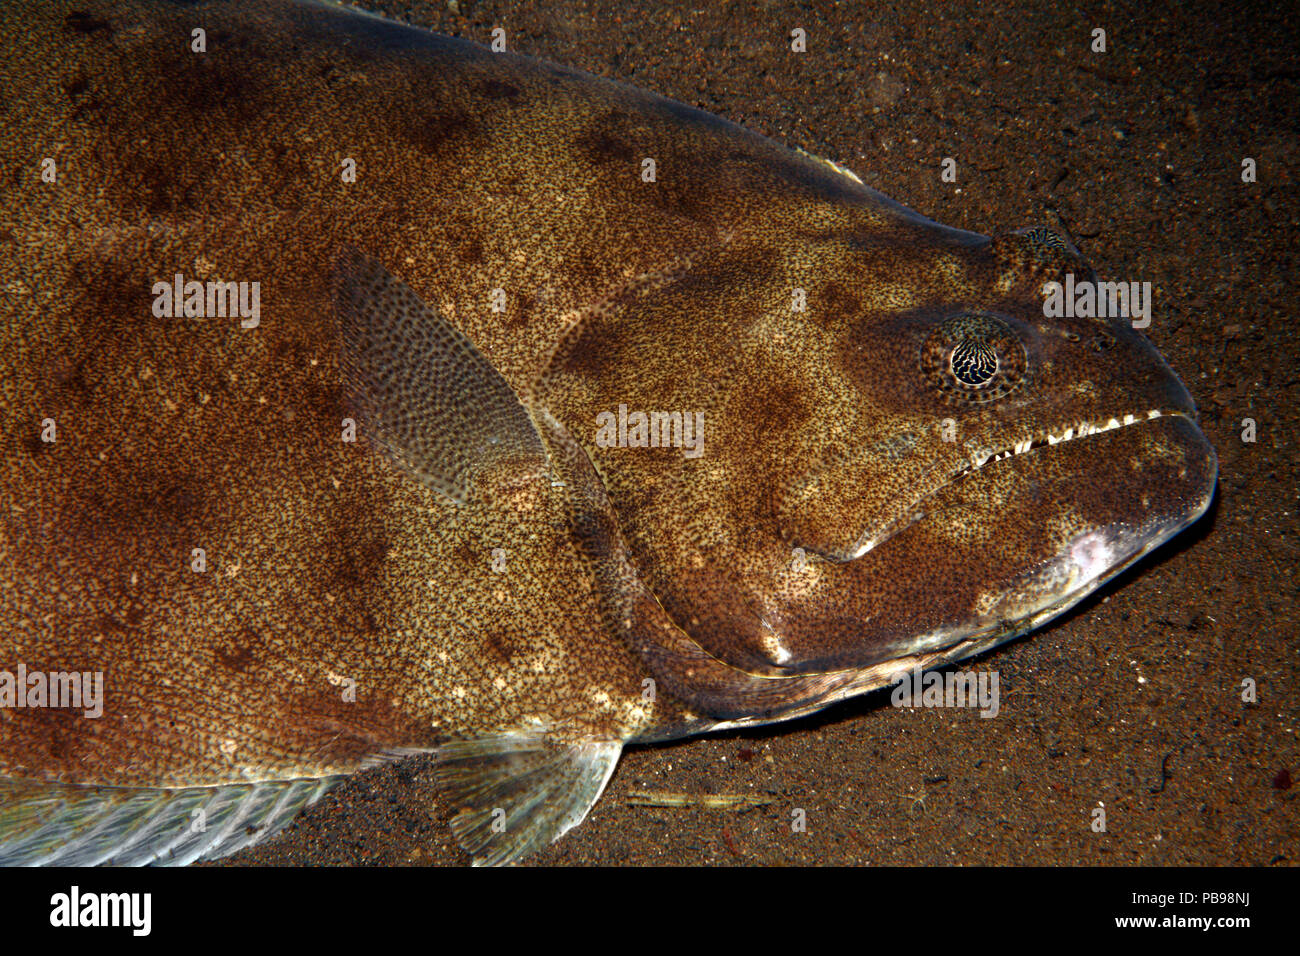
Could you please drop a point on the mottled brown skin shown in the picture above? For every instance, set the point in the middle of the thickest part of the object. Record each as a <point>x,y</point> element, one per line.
<point>481,171</point>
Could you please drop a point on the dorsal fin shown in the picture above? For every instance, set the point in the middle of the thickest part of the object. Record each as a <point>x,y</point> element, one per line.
<point>830,164</point>
<point>423,392</point>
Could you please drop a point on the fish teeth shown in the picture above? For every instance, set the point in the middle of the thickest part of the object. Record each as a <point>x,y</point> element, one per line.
<point>1086,428</point>
<point>1080,431</point>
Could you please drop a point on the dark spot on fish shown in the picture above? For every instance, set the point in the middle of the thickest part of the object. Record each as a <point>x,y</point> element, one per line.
<point>837,302</point>
<point>218,87</point>
<point>501,644</point>
<point>601,146</point>
<point>289,353</point>
<point>155,191</point>
<point>471,250</point>
<point>110,299</point>
<point>687,202</point>
<point>86,107</point>
<point>237,659</point>
<point>80,21</point>
<point>775,408</point>
<point>32,444</point>
<point>591,353</point>
<point>177,501</point>
<point>371,625</point>
<point>326,402</point>
<point>745,755</point>
<point>68,384</point>
<point>1282,780</point>
<point>356,547</point>
<point>363,565</point>
<point>435,133</point>
<point>293,168</point>
<point>497,90</point>
<point>111,625</point>
<point>157,501</point>
<point>59,738</point>
<point>75,86</point>
<point>329,72</point>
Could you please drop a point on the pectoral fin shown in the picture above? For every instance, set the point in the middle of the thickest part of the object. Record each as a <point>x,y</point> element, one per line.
<point>516,793</point>
<point>422,390</point>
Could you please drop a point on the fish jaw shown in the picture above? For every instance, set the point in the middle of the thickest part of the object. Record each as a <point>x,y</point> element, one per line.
<point>963,616</point>
<point>1003,547</point>
<point>1095,556</point>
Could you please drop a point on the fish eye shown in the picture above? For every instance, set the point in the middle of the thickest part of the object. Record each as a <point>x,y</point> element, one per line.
<point>973,363</point>
<point>1042,239</point>
<point>972,358</point>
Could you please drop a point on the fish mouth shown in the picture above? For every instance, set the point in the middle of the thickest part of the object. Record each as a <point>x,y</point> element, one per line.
<point>1082,428</point>
<point>1012,542</point>
<point>1148,517</point>
<point>985,456</point>
<point>1091,561</point>
<point>1034,598</point>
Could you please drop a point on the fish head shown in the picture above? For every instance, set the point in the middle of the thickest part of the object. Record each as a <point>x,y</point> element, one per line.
<point>955,466</point>
<point>902,453</point>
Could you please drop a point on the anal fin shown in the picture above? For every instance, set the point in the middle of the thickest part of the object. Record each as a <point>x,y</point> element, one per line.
<point>66,825</point>
<point>516,793</point>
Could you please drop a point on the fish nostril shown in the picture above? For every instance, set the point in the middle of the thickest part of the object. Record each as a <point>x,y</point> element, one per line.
<point>1102,341</point>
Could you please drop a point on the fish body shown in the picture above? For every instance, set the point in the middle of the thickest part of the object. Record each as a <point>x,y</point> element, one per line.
<point>372,393</point>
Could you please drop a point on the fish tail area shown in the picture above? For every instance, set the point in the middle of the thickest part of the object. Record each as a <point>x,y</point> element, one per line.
<point>516,793</point>
<point>45,824</point>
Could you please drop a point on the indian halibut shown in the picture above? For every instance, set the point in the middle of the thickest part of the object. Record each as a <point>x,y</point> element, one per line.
<point>370,393</point>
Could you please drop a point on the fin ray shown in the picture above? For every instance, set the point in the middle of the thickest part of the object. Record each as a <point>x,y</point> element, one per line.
<point>67,825</point>
<point>516,793</point>
<point>425,394</point>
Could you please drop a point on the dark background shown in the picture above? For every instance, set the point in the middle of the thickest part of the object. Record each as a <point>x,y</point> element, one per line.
<point>1133,701</point>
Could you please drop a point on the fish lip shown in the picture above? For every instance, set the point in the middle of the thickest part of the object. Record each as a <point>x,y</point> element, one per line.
<point>1064,433</point>
<point>1149,540</point>
<point>953,644</point>
<point>1023,619</point>
<point>1067,433</point>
